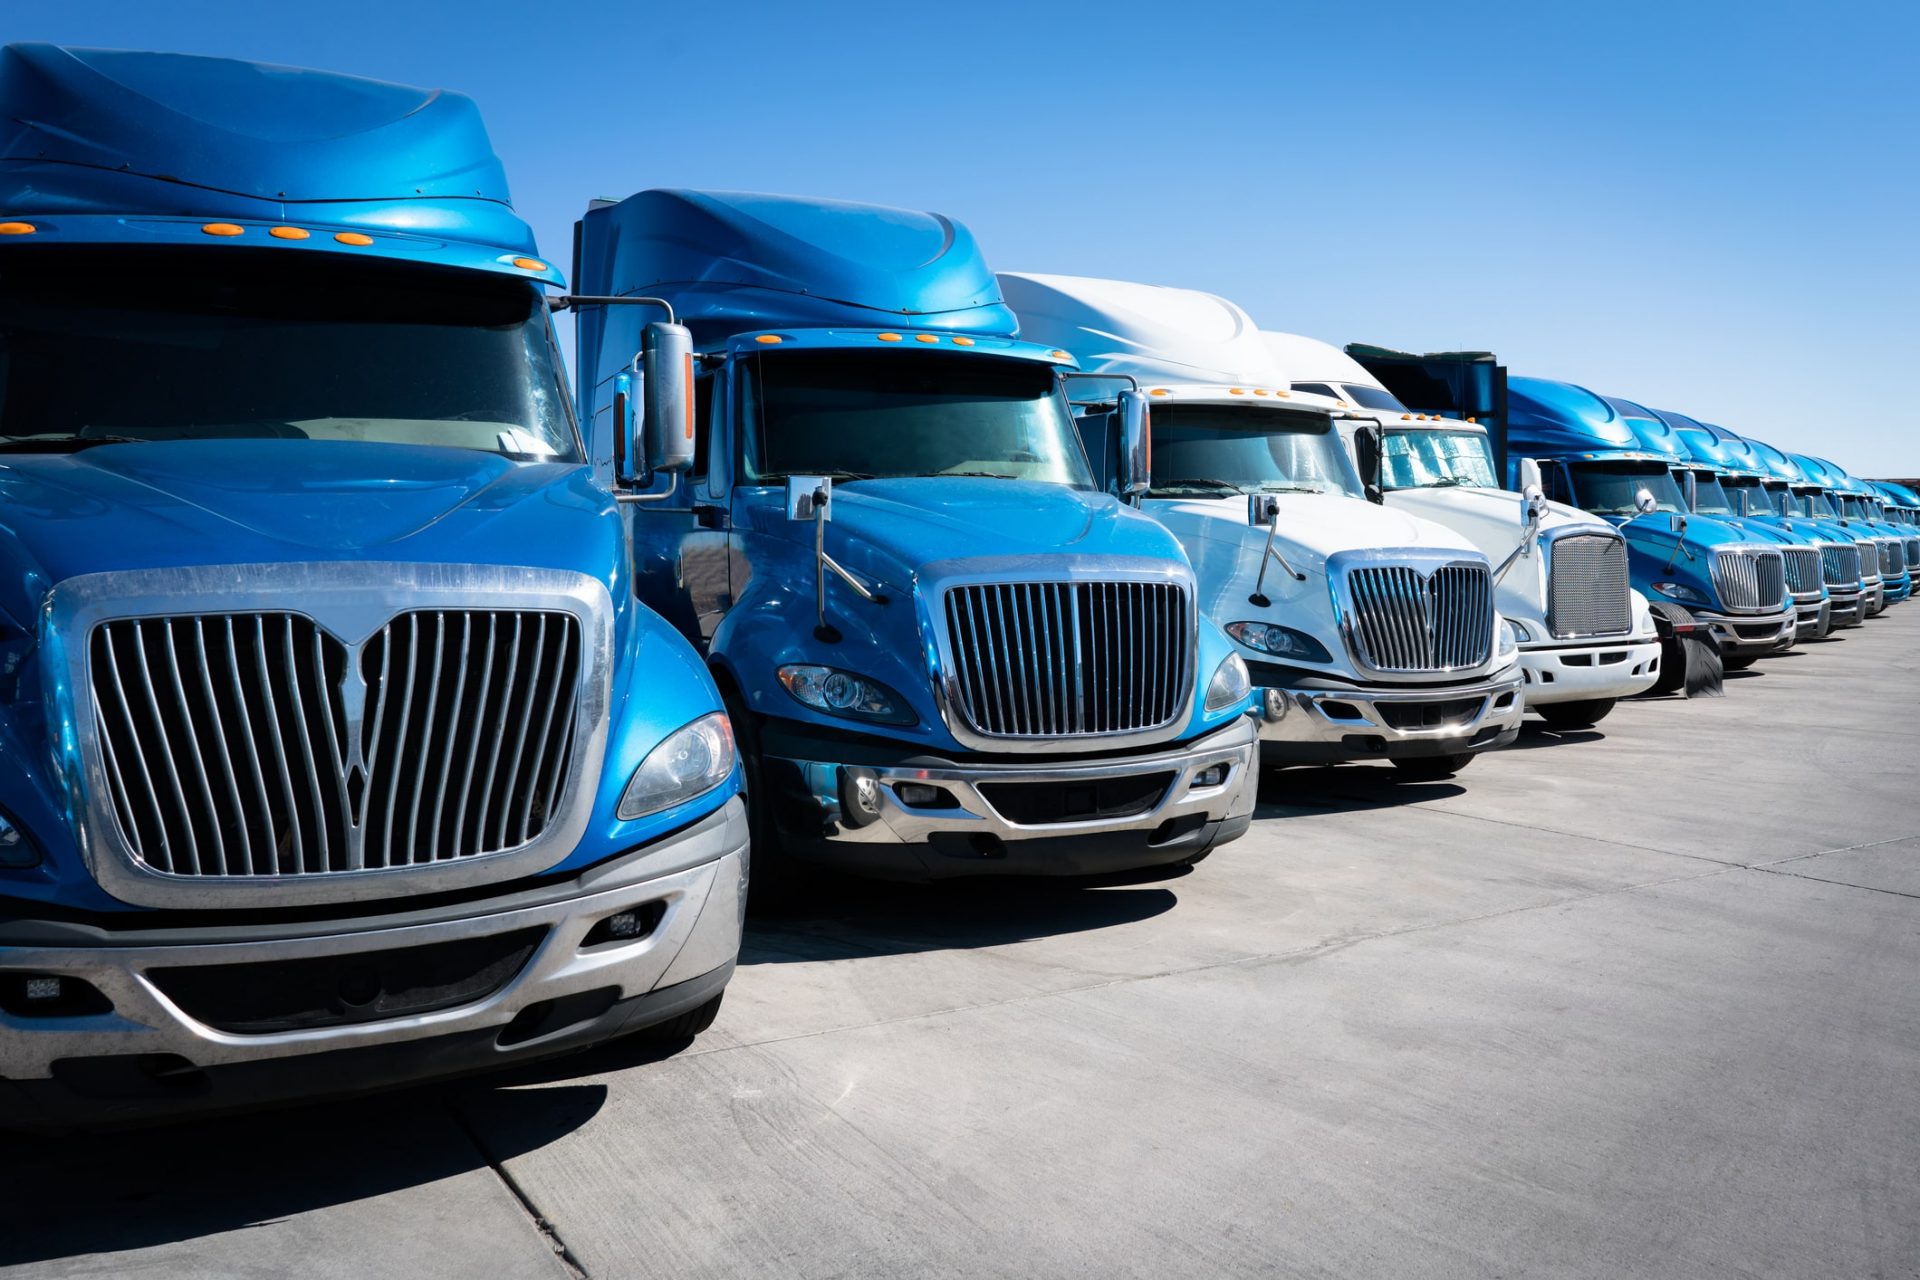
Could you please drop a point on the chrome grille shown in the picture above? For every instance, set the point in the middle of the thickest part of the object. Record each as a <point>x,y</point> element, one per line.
<point>1912,548</point>
<point>1841,563</point>
<point>255,745</point>
<point>1407,620</point>
<point>1750,580</point>
<point>1803,570</point>
<point>1052,659</point>
<point>1587,586</point>
<point>1893,559</point>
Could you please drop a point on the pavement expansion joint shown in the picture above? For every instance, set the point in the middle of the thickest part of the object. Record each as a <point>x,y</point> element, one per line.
<point>1844,884</point>
<point>540,1222</point>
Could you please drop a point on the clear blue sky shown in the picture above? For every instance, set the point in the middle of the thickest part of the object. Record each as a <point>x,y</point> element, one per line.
<point>1706,207</point>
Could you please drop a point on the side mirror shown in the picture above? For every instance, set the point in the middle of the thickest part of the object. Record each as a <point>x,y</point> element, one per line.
<point>1136,445</point>
<point>1366,452</point>
<point>668,391</point>
<point>809,496</point>
<point>1643,501</point>
<point>1690,487</point>
<point>1262,509</point>
<point>1529,474</point>
<point>1533,506</point>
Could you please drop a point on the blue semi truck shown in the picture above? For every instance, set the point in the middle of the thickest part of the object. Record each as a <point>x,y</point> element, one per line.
<point>1856,511</point>
<point>1731,481</point>
<point>1788,493</point>
<point>947,652</point>
<point>1699,479</point>
<point>1698,571</point>
<point>335,750</point>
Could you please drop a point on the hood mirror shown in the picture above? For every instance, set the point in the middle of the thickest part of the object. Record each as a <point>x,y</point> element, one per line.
<point>1643,501</point>
<point>1136,445</point>
<point>808,497</point>
<point>1262,509</point>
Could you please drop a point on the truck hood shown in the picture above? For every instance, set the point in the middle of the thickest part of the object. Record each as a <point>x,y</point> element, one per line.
<point>898,526</point>
<point>136,506</point>
<point>1312,526</point>
<point>1496,511</point>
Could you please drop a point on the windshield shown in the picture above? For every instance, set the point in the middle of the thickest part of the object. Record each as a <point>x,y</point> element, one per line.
<point>1372,397</point>
<point>1857,507</point>
<point>1610,489</point>
<point>1709,499</point>
<point>1225,449</point>
<point>1815,503</point>
<point>1782,500</point>
<point>100,346</point>
<point>865,414</point>
<point>1436,460</point>
<point>1747,497</point>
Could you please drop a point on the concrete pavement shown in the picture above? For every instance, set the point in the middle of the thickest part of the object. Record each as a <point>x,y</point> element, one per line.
<point>1640,1000</point>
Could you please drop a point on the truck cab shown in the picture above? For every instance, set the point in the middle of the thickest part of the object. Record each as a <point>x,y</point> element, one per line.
<point>1586,637</point>
<point>1699,477</point>
<point>1859,512</point>
<point>1371,633</point>
<point>1697,567</point>
<point>334,749</point>
<point>948,652</point>
<point>1742,480</point>
<point>1903,510</point>
<point>1794,496</point>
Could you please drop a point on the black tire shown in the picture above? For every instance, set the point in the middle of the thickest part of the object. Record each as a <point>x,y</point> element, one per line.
<point>773,879</point>
<point>683,1026</point>
<point>1738,661</point>
<point>1431,768</point>
<point>1583,714</point>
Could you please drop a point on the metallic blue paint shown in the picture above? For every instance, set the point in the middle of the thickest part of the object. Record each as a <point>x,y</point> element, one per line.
<point>203,139</point>
<point>110,147</point>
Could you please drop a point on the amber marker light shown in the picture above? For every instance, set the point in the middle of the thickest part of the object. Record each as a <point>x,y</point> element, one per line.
<point>1159,391</point>
<point>925,337</point>
<point>17,228</point>
<point>888,337</point>
<point>768,338</point>
<point>1236,391</point>
<point>530,264</point>
<point>963,342</point>
<point>223,229</point>
<point>289,233</point>
<point>352,237</point>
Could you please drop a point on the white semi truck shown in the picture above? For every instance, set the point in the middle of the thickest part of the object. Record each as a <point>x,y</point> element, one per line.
<point>1586,638</point>
<point>1370,633</point>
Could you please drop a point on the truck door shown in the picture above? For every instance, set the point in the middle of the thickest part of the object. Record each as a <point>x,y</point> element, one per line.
<point>681,556</point>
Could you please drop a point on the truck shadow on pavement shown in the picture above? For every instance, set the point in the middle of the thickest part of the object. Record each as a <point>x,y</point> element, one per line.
<point>110,1192</point>
<point>1343,788</point>
<point>846,918</point>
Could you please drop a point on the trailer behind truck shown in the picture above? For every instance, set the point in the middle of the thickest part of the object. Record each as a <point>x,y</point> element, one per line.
<point>334,748</point>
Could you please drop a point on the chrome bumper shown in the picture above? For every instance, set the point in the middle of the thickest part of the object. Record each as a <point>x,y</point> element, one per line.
<point>1812,617</point>
<point>1316,725</point>
<point>856,817</point>
<point>696,936</point>
<point>1577,673</point>
<point>1751,633</point>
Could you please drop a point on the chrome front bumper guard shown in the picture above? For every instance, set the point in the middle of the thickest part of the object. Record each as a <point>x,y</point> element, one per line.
<point>1752,633</point>
<point>1812,617</point>
<point>859,807</point>
<point>1319,722</point>
<point>698,932</point>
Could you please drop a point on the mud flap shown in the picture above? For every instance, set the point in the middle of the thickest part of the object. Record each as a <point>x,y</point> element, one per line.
<point>1690,663</point>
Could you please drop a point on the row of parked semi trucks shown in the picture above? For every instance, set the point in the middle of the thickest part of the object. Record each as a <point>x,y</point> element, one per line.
<point>376,705</point>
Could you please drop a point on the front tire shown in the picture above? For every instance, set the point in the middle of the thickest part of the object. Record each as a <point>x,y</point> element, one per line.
<point>773,878</point>
<point>1431,768</point>
<point>1738,661</point>
<point>683,1026</point>
<point>1583,714</point>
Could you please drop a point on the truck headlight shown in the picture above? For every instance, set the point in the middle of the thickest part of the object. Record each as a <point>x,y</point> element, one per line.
<point>15,849</point>
<point>1512,635</point>
<point>842,693</point>
<point>1281,642</point>
<point>691,762</point>
<point>1230,684</point>
<point>1684,594</point>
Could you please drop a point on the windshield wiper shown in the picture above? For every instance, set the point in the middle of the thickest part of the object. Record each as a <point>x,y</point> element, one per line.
<point>985,475</point>
<point>769,476</point>
<point>62,444</point>
<point>1451,482</point>
<point>1196,482</point>
<point>1282,486</point>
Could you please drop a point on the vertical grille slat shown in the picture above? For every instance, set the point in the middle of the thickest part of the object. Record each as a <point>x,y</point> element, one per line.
<point>229,752</point>
<point>1803,569</point>
<point>1407,621</point>
<point>1841,564</point>
<point>1055,659</point>
<point>1750,580</point>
